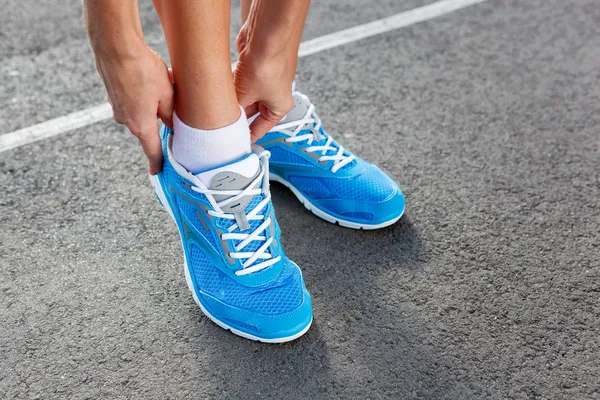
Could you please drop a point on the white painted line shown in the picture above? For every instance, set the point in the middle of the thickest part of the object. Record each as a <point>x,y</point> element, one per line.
<point>103,112</point>
<point>55,126</point>
<point>383,25</point>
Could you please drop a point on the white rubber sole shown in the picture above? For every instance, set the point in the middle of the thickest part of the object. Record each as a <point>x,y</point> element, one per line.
<point>327,217</point>
<point>188,279</point>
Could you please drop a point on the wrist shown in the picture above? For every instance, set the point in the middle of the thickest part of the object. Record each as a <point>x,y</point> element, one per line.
<point>114,28</point>
<point>261,56</point>
<point>269,29</point>
<point>128,46</point>
<point>264,65</point>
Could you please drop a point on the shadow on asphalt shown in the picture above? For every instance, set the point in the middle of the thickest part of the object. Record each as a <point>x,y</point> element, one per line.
<point>360,341</point>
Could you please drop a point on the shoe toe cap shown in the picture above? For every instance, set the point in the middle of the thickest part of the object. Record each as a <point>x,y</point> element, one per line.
<point>369,214</point>
<point>372,199</point>
<point>273,327</point>
<point>277,312</point>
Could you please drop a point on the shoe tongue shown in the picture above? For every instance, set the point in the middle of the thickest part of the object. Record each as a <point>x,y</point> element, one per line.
<point>235,176</point>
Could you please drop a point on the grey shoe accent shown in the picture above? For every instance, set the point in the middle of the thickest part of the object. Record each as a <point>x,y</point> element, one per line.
<point>297,112</point>
<point>225,247</point>
<point>202,221</point>
<point>272,228</point>
<point>278,140</point>
<point>233,181</point>
<point>204,245</point>
<point>223,243</point>
<point>227,181</point>
<point>241,220</point>
<point>314,155</point>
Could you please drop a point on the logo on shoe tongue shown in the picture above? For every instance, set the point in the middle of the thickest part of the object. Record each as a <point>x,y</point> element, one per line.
<point>228,180</point>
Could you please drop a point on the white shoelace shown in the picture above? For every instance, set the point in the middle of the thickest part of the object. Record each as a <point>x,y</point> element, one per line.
<point>293,128</point>
<point>252,189</point>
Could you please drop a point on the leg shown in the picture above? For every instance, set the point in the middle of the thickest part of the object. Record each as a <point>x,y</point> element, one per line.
<point>235,266</point>
<point>296,36</point>
<point>197,35</point>
<point>209,127</point>
<point>371,200</point>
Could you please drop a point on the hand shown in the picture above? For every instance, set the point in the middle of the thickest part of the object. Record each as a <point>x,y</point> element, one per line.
<point>242,37</point>
<point>139,89</point>
<point>262,85</point>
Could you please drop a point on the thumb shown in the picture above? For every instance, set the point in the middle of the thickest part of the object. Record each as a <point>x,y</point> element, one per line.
<point>263,123</point>
<point>165,108</point>
<point>251,110</point>
<point>152,146</point>
<point>166,99</point>
<point>240,40</point>
<point>243,88</point>
<point>243,96</point>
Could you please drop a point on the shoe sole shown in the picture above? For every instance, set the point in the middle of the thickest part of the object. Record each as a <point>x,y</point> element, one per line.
<point>328,217</point>
<point>154,180</point>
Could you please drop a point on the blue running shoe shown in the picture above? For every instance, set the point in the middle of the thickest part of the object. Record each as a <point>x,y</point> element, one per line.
<point>330,181</point>
<point>234,264</point>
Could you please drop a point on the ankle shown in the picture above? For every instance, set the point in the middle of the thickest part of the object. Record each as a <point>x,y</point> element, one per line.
<point>202,149</point>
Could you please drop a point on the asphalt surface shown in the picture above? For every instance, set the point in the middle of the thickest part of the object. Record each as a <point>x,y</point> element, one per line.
<point>487,288</point>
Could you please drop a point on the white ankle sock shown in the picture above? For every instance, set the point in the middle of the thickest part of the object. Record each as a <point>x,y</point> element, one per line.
<point>199,150</point>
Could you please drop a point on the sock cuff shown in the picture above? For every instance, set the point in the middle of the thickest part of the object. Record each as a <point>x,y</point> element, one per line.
<point>201,149</point>
<point>195,135</point>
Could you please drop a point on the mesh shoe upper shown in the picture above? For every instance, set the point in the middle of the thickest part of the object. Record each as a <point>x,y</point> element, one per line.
<point>370,185</point>
<point>272,300</point>
<point>331,178</point>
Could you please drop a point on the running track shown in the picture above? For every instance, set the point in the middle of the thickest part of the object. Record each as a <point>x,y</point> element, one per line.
<point>487,115</point>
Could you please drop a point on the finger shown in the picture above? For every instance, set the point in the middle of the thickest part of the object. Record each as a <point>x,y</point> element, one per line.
<point>165,107</point>
<point>240,40</point>
<point>242,91</point>
<point>152,146</point>
<point>244,99</point>
<point>171,78</point>
<point>260,126</point>
<point>251,110</point>
<point>268,118</point>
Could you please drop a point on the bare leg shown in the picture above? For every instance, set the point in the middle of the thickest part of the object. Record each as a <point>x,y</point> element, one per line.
<point>197,35</point>
<point>209,128</point>
<point>296,35</point>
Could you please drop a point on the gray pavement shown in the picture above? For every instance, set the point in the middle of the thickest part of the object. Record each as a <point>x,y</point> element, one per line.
<point>487,288</point>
